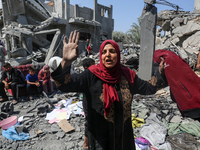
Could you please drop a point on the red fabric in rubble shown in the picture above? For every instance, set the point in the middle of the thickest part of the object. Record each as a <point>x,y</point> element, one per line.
<point>184,83</point>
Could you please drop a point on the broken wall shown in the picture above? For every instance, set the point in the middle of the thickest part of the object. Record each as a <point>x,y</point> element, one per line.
<point>179,31</point>
<point>33,31</point>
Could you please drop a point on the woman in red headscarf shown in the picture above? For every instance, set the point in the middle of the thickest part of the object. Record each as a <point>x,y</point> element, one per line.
<point>44,76</point>
<point>109,88</point>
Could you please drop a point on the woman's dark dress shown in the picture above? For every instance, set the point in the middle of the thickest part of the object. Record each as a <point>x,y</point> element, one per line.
<point>112,132</point>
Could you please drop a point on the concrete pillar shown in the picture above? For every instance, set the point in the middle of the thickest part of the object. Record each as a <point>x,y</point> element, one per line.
<point>76,14</point>
<point>197,6</point>
<point>53,46</point>
<point>110,12</point>
<point>13,43</point>
<point>7,46</point>
<point>67,9</point>
<point>59,8</point>
<point>147,41</point>
<point>29,44</point>
<point>95,11</point>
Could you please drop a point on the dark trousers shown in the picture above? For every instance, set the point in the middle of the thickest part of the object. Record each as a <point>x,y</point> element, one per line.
<point>85,109</point>
<point>30,86</point>
<point>2,90</point>
<point>13,87</point>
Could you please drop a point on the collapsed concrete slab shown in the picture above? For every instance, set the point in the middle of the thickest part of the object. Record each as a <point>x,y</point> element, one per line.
<point>180,33</point>
<point>29,26</point>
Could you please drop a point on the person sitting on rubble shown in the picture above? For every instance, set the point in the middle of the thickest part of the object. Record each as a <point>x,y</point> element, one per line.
<point>11,78</point>
<point>44,76</point>
<point>109,88</point>
<point>86,64</point>
<point>32,81</point>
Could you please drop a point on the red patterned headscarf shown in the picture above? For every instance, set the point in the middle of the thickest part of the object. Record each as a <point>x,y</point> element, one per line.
<point>111,76</point>
<point>44,75</point>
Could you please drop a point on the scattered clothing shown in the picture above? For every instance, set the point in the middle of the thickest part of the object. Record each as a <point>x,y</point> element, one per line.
<point>142,143</point>
<point>11,133</point>
<point>183,141</point>
<point>155,132</point>
<point>136,122</point>
<point>192,128</point>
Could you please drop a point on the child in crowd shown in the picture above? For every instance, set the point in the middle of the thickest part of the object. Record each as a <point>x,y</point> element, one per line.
<point>32,81</point>
<point>89,48</point>
<point>44,76</point>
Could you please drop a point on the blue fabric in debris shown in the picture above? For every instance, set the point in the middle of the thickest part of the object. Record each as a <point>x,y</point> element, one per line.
<point>11,133</point>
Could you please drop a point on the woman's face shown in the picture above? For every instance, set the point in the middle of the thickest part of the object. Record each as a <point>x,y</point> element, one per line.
<point>109,56</point>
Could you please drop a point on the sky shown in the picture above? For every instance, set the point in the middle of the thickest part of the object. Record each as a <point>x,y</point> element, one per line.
<point>126,12</point>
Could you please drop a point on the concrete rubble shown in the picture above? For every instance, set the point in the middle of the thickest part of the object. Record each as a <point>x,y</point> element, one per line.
<point>33,30</point>
<point>179,32</point>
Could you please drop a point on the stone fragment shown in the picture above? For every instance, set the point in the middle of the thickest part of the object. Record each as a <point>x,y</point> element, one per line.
<point>55,128</point>
<point>60,134</point>
<point>176,119</point>
<point>15,145</point>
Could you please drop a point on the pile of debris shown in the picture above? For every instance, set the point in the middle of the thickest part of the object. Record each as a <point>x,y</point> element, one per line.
<point>181,34</point>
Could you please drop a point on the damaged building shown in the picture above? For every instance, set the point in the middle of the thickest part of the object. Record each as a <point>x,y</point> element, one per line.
<point>33,30</point>
<point>179,31</point>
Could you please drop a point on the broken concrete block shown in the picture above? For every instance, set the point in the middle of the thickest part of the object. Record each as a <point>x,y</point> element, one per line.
<point>176,119</point>
<point>166,25</point>
<point>187,29</point>
<point>60,134</point>
<point>177,21</point>
<point>192,40</point>
<point>55,128</point>
<point>20,129</point>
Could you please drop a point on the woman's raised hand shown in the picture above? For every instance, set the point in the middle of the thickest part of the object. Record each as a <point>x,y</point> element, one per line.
<point>70,49</point>
<point>161,66</point>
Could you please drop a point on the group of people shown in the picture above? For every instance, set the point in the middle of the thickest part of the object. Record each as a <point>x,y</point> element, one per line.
<point>108,88</point>
<point>13,78</point>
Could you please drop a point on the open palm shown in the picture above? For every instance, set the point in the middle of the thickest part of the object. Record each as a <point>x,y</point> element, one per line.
<point>70,49</point>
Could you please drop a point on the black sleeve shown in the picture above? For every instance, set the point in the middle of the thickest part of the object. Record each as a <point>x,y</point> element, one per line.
<point>70,83</point>
<point>17,76</point>
<point>4,76</point>
<point>143,87</point>
<point>151,86</point>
